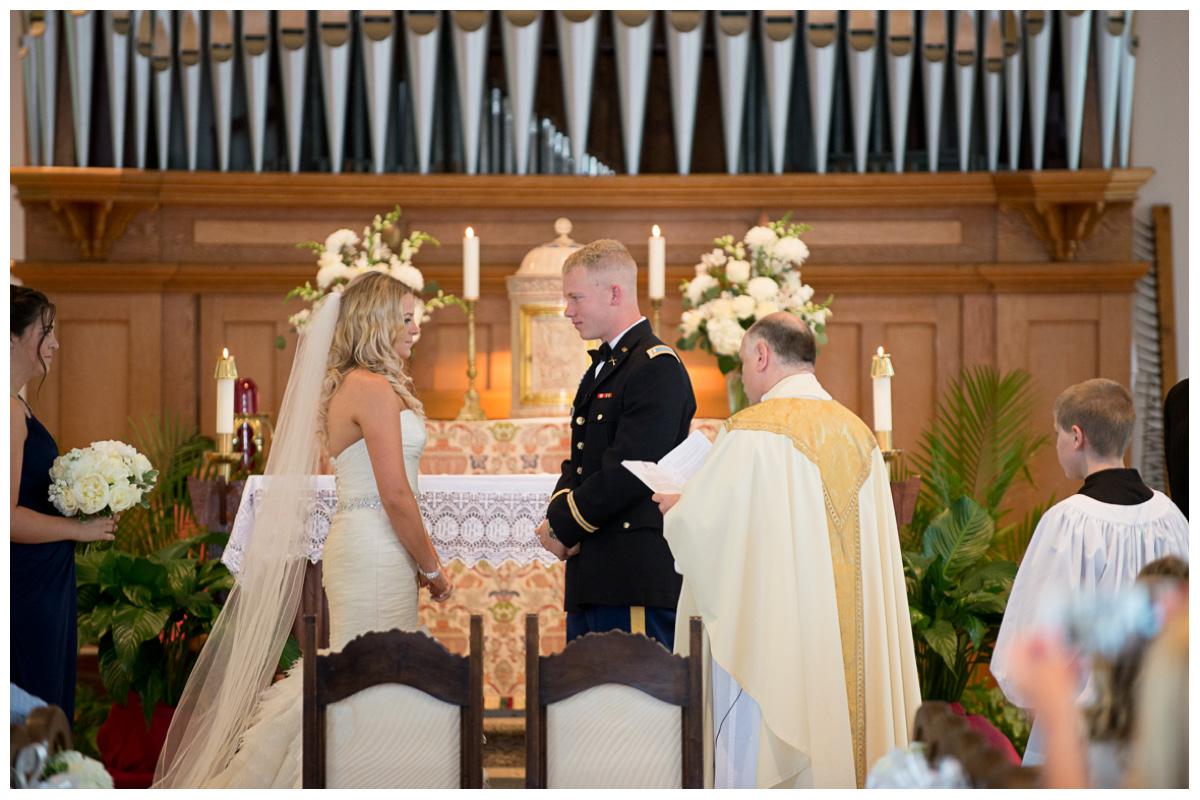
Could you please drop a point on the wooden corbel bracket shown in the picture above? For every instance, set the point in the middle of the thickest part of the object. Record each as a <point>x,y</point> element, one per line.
<point>1062,226</point>
<point>95,224</point>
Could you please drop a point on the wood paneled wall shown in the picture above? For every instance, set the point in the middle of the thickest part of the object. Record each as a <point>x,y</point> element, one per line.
<point>943,270</point>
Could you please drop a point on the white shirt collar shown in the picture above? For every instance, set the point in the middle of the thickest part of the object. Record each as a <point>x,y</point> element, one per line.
<point>801,384</point>
<point>617,338</point>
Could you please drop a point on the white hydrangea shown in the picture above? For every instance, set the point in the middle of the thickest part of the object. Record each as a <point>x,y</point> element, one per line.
<point>329,273</point>
<point>409,275</point>
<point>720,308</point>
<point>329,257</point>
<point>766,308</point>
<point>690,321</point>
<point>743,306</point>
<point>726,336</point>
<point>759,236</point>
<point>737,271</point>
<point>762,289</point>
<point>789,248</point>
<point>698,286</point>
<point>339,239</point>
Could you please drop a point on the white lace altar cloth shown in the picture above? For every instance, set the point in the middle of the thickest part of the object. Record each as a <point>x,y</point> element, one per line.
<point>471,518</point>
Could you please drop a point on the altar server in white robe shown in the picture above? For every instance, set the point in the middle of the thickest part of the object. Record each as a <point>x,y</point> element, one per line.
<point>1096,541</point>
<point>787,542</point>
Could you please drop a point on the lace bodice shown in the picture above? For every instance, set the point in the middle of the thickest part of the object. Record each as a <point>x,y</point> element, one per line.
<point>352,468</point>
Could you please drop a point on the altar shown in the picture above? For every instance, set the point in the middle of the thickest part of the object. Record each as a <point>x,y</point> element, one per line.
<point>484,487</point>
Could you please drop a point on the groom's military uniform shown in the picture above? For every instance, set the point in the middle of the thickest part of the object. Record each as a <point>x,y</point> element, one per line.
<point>639,408</point>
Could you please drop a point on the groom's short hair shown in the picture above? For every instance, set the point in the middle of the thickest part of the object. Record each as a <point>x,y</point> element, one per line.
<point>603,256</point>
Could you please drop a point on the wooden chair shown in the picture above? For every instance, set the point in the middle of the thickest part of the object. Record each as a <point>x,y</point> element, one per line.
<point>400,657</point>
<point>946,733</point>
<point>613,658</point>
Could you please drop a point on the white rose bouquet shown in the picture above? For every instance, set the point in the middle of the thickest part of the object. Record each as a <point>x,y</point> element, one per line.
<point>70,769</point>
<point>739,283</point>
<point>101,480</point>
<point>344,255</point>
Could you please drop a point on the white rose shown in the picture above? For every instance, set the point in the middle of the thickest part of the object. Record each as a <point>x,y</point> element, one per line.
<point>59,471</point>
<point>743,306</point>
<point>113,469</point>
<point>64,499</point>
<point>689,322</point>
<point>122,495</point>
<point>142,465</point>
<point>91,492</point>
<point>720,308</point>
<point>737,271</point>
<point>760,237</point>
<point>86,463</point>
<point>762,289</point>
<point>726,336</point>
<point>698,286</point>
<point>789,248</point>
<point>409,275</point>
<point>339,239</point>
<point>766,308</point>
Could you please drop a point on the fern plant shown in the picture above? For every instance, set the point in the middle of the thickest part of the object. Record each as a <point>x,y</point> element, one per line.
<point>177,449</point>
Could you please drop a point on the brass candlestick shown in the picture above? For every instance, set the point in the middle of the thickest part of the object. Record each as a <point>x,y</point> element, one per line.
<point>471,409</point>
<point>224,457</point>
<point>656,312</point>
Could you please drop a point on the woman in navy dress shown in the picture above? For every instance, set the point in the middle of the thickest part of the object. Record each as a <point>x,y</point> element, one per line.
<point>43,626</point>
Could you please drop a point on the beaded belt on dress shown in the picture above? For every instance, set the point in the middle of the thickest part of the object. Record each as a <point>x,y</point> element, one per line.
<point>358,502</point>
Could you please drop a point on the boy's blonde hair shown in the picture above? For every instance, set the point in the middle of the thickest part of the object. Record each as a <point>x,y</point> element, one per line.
<point>1103,410</point>
<point>607,256</point>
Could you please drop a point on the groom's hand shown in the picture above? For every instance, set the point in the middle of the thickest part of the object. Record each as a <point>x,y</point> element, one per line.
<point>553,545</point>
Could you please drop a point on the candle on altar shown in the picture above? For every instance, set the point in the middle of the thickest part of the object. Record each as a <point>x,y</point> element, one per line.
<point>226,375</point>
<point>658,266</point>
<point>470,265</point>
<point>881,377</point>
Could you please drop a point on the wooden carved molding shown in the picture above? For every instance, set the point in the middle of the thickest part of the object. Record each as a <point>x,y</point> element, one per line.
<point>95,224</point>
<point>1062,227</point>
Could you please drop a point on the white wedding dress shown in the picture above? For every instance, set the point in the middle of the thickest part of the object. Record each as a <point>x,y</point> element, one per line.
<point>387,736</point>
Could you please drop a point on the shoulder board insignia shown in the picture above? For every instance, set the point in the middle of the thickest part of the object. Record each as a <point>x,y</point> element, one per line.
<point>661,349</point>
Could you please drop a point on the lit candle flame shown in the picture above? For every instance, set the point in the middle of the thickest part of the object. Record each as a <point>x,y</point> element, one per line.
<point>881,351</point>
<point>470,233</point>
<point>225,353</point>
<point>656,233</point>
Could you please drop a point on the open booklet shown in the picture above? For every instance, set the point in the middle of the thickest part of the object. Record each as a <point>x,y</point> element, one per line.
<point>670,474</point>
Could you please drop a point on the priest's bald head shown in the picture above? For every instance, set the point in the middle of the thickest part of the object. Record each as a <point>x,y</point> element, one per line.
<point>600,287</point>
<point>776,346</point>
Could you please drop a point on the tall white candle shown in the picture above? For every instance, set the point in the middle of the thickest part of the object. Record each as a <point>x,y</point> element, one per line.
<point>658,266</point>
<point>470,265</point>
<point>225,395</point>
<point>882,384</point>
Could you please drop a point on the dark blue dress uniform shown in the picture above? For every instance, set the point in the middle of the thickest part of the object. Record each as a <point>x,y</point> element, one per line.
<point>639,408</point>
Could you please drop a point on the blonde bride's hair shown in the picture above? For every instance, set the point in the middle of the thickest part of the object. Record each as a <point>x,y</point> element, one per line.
<point>371,318</point>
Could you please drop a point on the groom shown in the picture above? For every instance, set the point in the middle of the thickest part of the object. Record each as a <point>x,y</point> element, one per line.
<point>635,402</point>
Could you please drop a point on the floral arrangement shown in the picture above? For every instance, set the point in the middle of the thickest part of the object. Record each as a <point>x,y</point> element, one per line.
<point>739,283</point>
<point>344,255</point>
<point>101,480</point>
<point>70,769</point>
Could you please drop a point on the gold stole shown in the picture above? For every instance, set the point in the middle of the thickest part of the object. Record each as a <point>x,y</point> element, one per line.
<point>840,444</point>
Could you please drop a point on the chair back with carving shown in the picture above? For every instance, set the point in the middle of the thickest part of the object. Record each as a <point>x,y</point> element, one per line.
<point>595,676</point>
<point>394,657</point>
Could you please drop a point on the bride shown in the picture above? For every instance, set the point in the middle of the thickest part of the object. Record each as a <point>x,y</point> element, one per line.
<point>348,394</point>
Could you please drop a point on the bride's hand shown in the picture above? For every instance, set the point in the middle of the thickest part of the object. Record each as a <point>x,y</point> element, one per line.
<point>422,581</point>
<point>440,587</point>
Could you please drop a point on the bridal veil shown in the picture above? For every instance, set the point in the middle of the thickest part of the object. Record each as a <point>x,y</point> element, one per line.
<point>242,652</point>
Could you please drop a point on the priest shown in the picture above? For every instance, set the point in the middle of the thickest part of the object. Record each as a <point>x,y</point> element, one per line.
<point>787,542</point>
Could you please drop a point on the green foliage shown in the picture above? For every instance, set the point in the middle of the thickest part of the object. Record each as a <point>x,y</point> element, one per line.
<point>290,654</point>
<point>177,449</point>
<point>91,709</point>
<point>1007,718</point>
<point>149,614</point>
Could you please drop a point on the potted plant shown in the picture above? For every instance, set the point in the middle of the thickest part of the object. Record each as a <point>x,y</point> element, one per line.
<point>148,615</point>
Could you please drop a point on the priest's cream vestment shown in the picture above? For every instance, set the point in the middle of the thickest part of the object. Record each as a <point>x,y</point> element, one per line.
<point>789,550</point>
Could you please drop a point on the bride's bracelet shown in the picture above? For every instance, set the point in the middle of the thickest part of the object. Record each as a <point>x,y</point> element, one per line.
<point>430,576</point>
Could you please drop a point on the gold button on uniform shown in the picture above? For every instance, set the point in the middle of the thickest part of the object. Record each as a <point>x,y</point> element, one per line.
<point>579,446</point>
<point>579,470</point>
<point>579,420</point>
<point>599,417</point>
<point>625,525</point>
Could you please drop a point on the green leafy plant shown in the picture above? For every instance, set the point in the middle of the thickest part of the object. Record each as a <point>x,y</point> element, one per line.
<point>177,449</point>
<point>956,598</point>
<point>149,615</point>
<point>1008,719</point>
<point>91,709</point>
